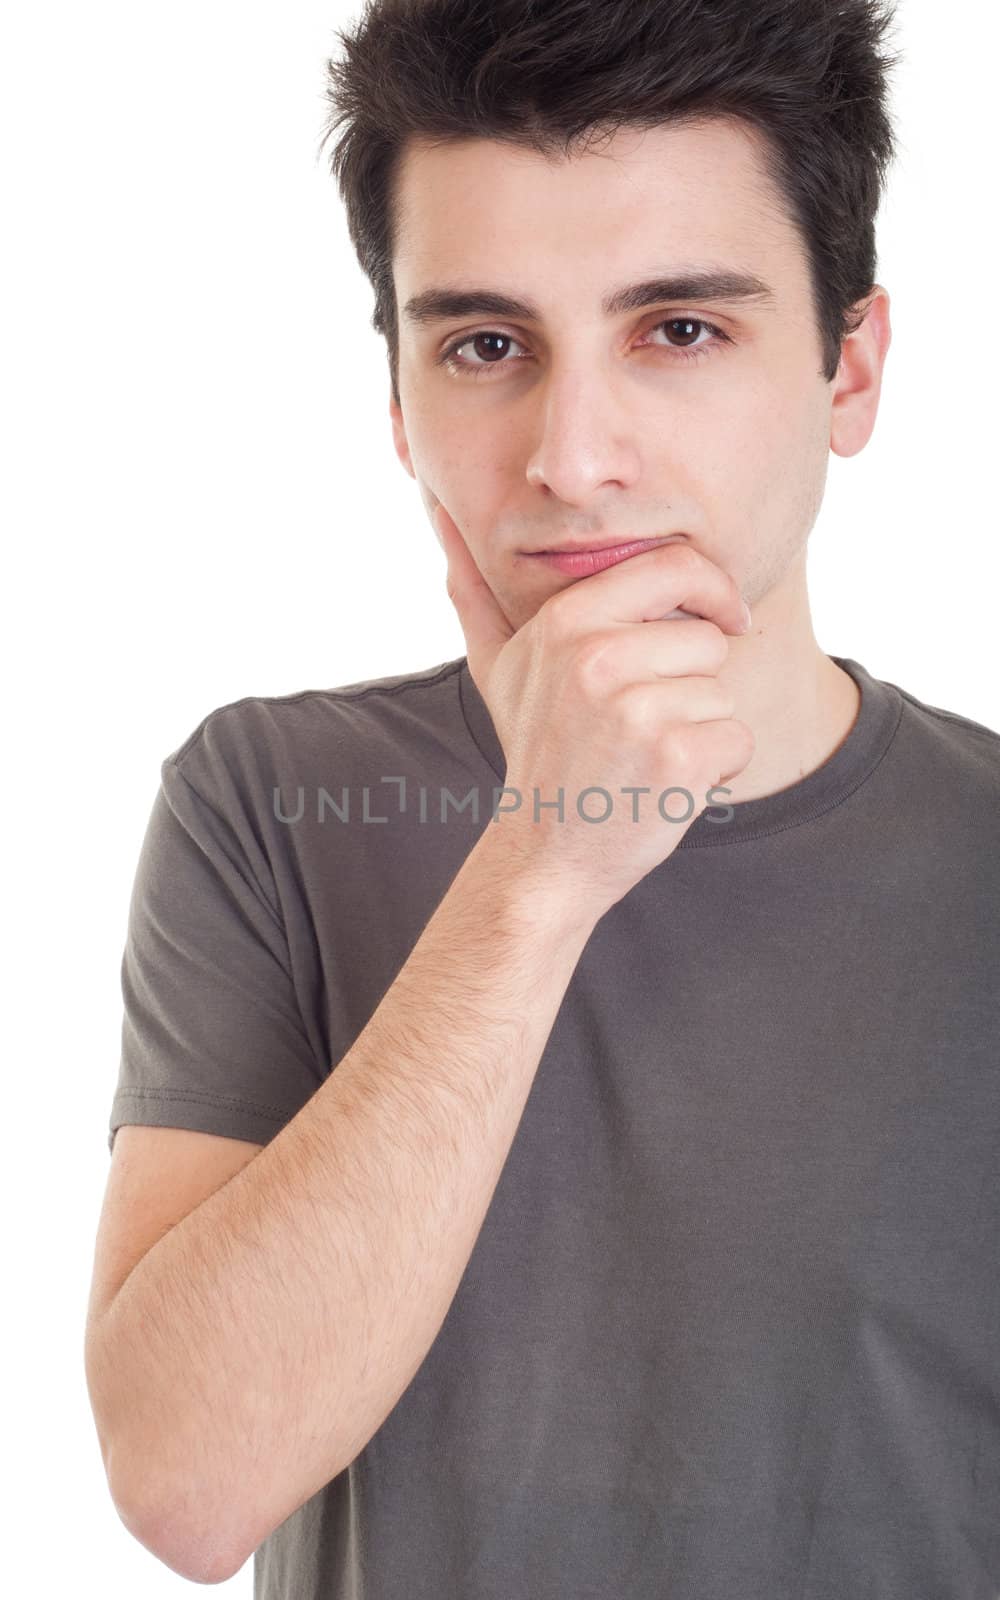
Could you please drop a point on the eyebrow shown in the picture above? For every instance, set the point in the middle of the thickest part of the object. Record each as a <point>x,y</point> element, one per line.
<point>719,287</point>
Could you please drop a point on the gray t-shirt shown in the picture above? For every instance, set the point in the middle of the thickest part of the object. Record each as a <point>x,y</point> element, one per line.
<point>731,1328</point>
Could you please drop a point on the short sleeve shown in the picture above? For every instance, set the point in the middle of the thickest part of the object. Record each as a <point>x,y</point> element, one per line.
<point>212,1034</point>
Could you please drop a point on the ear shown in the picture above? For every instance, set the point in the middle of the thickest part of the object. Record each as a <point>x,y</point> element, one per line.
<point>858,383</point>
<point>402,448</point>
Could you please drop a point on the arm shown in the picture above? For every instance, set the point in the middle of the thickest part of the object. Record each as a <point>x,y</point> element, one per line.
<point>257,1347</point>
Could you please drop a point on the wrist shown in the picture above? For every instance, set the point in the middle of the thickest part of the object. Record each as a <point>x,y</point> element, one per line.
<point>517,873</point>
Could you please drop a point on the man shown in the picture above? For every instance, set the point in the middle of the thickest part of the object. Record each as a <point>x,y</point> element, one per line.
<point>593,1194</point>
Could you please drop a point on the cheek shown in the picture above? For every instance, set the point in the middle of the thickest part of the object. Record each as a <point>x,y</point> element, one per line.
<point>787,492</point>
<point>785,451</point>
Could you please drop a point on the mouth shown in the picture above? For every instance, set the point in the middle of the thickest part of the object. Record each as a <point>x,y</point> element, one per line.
<point>574,548</point>
<point>578,561</point>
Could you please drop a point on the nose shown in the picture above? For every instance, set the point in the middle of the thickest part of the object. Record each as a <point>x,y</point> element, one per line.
<point>585,437</point>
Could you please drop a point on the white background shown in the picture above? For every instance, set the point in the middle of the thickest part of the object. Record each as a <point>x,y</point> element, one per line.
<point>202,502</point>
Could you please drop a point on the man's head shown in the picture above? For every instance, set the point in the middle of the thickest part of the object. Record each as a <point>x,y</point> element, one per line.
<point>555,152</point>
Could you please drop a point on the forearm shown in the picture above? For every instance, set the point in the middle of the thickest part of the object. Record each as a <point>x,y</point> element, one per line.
<point>259,1345</point>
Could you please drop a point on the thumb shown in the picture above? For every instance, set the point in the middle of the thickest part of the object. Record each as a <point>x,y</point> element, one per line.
<point>485,627</point>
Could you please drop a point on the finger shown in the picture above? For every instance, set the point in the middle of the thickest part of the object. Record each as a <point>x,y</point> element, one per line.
<point>645,587</point>
<point>678,700</point>
<point>650,652</point>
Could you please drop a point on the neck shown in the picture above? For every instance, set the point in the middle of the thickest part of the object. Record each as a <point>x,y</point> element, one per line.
<point>799,705</point>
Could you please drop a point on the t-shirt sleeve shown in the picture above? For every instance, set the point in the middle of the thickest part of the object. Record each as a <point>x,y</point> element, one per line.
<point>212,1034</point>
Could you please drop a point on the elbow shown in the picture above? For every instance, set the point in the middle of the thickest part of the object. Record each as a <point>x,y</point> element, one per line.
<point>181,1531</point>
<point>205,1554</point>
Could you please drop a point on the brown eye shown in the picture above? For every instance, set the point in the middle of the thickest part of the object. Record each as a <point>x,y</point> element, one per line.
<point>684,332</point>
<point>688,325</point>
<point>485,344</point>
<point>486,352</point>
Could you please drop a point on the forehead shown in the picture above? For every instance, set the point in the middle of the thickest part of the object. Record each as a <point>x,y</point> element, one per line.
<point>482,209</point>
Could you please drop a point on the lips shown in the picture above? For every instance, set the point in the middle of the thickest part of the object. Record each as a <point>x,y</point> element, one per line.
<point>581,563</point>
<point>573,549</point>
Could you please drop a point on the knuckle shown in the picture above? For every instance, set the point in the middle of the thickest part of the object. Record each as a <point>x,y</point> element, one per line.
<point>633,711</point>
<point>554,620</point>
<point>683,556</point>
<point>679,747</point>
<point>722,697</point>
<point>593,663</point>
<point>712,700</point>
<point>715,645</point>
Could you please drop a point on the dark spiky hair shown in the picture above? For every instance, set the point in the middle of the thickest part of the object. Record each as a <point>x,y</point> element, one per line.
<point>553,75</point>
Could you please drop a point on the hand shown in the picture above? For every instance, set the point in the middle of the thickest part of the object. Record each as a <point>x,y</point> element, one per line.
<point>601,688</point>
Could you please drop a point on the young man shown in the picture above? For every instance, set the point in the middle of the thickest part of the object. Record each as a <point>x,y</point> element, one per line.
<point>594,1194</point>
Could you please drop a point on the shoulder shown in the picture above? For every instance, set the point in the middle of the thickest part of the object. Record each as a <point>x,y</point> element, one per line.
<point>283,737</point>
<point>943,797</point>
<point>957,747</point>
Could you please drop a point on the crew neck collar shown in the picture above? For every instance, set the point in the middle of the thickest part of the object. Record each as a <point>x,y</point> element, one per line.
<point>855,758</point>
